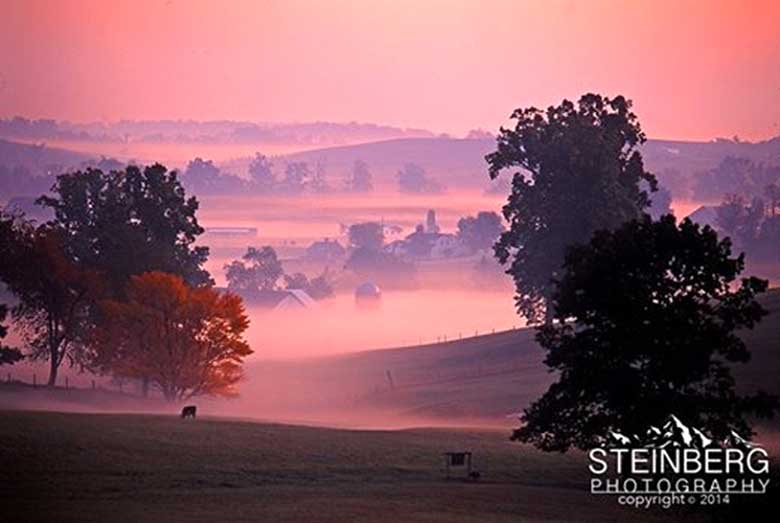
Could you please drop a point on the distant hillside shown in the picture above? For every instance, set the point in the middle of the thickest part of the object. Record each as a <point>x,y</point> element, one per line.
<point>38,158</point>
<point>461,162</point>
<point>27,171</point>
<point>455,163</point>
<point>692,157</point>
<point>209,132</point>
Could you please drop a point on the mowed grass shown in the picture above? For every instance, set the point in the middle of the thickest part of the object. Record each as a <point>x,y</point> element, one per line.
<point>114,467</point>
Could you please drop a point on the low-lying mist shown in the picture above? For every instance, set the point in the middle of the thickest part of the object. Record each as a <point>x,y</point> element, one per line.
<point>310,365</point>
<point>301,371</point>
<point>404,317</point>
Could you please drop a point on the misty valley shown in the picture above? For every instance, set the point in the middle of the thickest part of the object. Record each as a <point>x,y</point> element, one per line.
<point>409,261</point>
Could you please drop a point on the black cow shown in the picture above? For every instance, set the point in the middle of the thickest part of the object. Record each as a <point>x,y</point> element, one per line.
<point>189,411</point>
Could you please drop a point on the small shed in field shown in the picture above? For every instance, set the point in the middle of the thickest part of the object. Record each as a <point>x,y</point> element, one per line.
<point>459,464</point>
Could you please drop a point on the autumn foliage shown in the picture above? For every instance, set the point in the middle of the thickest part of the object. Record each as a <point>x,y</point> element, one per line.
<point>53,293</point>
<point>186,340</point>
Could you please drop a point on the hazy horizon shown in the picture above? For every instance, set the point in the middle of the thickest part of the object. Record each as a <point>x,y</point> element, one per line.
<point>341,61</point>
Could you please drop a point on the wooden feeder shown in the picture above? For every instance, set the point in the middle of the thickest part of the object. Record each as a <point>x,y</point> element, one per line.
<point>460,462</point>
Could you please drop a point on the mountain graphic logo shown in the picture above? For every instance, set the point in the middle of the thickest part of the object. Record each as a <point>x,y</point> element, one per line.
<point>674,433</point>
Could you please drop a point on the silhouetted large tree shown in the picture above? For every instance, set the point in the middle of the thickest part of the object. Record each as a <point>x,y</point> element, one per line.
<point>647,320</point>
<point>125,223</point>
<point>578,170</point>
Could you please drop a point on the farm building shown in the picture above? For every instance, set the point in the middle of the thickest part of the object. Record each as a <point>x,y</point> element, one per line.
<point>295,299</point>
<point>281,300</point>
<point>423,245</point>
<point>368,294</point>
<point>231,231</point>
<point>705,215</point>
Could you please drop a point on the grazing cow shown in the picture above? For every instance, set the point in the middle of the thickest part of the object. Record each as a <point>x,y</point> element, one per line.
<point>189,411</point>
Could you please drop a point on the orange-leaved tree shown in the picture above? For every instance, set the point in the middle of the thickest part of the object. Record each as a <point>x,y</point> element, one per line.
<point>188,341</point>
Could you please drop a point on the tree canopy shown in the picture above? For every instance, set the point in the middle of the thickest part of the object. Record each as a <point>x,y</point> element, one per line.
<point>297,176</point>
<point>54,293</point>
<point>361,179</point>
<point>262,174</point>
<point>577,169</point>
<point>755,226</point>
<point>187,341</point>
<point>735,175</point>
<point>258,270</point>
<point>319,287</point>
<point>413,179</point>
<point>647,321</point>
<point>368,235</point>
<point>480,232</point>
<point>125,223</point>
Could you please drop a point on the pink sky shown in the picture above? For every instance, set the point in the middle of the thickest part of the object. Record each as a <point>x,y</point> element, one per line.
<point>695,69</point>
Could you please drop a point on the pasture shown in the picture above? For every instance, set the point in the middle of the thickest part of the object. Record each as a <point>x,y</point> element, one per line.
<point>118,467</point>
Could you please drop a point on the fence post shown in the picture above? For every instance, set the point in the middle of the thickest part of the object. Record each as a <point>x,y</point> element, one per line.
<point>35,381</point>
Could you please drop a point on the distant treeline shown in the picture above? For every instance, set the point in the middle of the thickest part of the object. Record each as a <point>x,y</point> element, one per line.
<point>207,132</point>
<point>29,170</point>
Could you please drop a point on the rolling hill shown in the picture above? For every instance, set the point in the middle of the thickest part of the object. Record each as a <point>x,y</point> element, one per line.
<point>482,380</point>
<point>460,163</point>
<point>37,157</point>
<point>456,163</point>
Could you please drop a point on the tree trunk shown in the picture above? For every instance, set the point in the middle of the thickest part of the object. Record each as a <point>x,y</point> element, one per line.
<point>549,311</point>
<point>548,316</point>
<point>169,393</point>
<point>53,371</point>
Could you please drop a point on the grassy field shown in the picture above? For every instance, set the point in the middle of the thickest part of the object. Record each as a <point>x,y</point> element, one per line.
<point>106,467</point>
